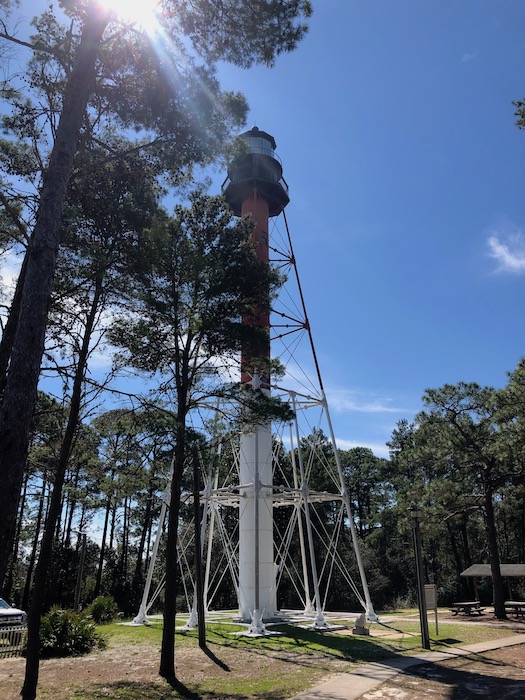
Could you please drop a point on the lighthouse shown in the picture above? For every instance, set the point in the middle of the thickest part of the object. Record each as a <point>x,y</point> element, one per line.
<point>255,187</point>
<point>298,550</point>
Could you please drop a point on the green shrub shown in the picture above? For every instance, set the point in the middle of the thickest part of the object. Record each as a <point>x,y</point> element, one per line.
<point>67,633</point>
<point>103,609</point>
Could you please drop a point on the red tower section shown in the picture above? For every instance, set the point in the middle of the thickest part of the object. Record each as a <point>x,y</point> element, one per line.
<point>255,187</point>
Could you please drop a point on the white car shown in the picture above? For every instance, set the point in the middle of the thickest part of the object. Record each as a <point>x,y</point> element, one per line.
<point>10,615</point>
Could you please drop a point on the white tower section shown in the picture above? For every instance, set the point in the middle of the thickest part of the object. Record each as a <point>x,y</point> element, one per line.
<point>257,584</point>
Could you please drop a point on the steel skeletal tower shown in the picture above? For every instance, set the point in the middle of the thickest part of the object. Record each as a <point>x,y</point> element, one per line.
<point>285,481</point>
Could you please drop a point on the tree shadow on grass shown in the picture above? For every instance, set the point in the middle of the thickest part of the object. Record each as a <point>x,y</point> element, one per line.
<point>314,643</point>
<point>349,648</point>
<point>182,690</point>
<point>465,684</point>
<point>133,690</point>
<point>209,653</point>
<point>447,642</point>
<point>137,690</point>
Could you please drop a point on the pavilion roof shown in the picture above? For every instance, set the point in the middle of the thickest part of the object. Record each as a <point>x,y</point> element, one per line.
<point>484,570</point>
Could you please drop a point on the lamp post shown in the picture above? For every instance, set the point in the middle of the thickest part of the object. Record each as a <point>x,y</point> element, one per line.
<point>415,516</point>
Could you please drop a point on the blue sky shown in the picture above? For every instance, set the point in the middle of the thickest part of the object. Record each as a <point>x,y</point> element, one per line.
<point>396,128</point>
<point>395,125</point>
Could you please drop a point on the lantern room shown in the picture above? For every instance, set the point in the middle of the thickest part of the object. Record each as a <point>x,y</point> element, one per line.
<point>256,167</point>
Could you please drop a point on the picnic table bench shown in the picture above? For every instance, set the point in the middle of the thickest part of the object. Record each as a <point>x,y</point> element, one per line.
<point>517,607</point>
<point>467,607</point>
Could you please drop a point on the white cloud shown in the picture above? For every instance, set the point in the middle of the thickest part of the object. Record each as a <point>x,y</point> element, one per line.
<point>509,254</point>
<point>101,359</point>
<point>379,449</point>
<point>9,269</point>
<point>469,56</point>
<point>342,400</point>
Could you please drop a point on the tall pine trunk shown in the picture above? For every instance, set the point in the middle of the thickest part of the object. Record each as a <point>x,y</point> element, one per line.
<point>146,525</point>
<point>9,332</point>
<point>167,654</point>
<point>498,586</point>
<point>72,504</point>
<point>125,540</point>
<point>34,548</point>
<point>20,392</point>
<point>12,563</point>
<point>55,509</point>
<point>100,568</point>
<point>113,524</point>
<point>457,558</point>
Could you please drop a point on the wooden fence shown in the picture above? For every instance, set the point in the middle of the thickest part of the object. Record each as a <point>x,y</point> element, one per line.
<point>12,641</point>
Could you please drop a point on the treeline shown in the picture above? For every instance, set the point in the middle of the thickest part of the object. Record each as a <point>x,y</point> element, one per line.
<point>460,463</point>
<point>116,477</point>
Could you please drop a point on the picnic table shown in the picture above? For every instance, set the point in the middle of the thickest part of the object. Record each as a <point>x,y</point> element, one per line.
<point>467,607</point>
<point>517,607</point>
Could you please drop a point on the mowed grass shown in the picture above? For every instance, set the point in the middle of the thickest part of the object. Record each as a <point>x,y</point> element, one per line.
<point>275,667</point>
<point>296,639</point>
<point>450,634</point>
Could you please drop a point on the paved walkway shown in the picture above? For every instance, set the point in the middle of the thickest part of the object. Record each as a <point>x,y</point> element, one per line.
<point>350,686</point>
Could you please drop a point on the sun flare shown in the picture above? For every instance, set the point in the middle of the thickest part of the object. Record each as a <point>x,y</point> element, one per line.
<point>139,12</point>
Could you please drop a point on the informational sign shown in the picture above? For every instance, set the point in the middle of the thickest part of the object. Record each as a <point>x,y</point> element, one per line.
<point>431,600</point>
<point>430,596</point>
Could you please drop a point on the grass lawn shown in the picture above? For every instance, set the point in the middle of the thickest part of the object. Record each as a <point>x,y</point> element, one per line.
<point>233,667</point>
<point>275,667</point>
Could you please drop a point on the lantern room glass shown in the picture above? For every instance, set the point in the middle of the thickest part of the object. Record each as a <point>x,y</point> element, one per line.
<point>258,144</point>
